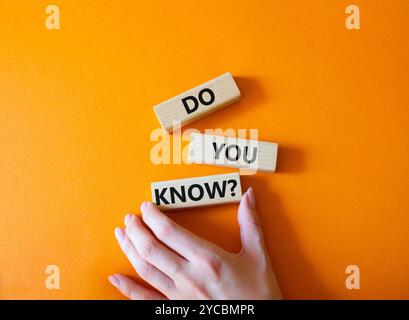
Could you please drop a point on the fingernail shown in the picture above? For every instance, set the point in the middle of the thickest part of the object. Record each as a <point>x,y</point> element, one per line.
<point>143,205</point>
<point>126,220</point>
<point>133,220</point>
<point>119,234</point>
<point>130,219</point>
<point>251,198</point>
<point>113,279</point>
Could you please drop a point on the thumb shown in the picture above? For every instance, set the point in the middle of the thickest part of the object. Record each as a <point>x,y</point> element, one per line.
<point>249,221</point>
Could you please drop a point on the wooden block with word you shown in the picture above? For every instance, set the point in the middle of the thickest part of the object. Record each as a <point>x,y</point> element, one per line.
<point>197,192</point>
<point>232,152</point>
<point>197,102</point>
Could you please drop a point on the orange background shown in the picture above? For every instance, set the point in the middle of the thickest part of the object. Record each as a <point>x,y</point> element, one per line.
<point>76,117</point>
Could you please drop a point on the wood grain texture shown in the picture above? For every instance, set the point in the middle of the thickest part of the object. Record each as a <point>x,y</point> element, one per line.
<point>232,152</point>
<point>192,104</point>
<point>197,192</point>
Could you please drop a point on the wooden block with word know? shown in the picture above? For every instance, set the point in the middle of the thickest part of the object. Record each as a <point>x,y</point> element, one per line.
<point>197,192</point>
<point>197,102</point>
<point>232,152</point>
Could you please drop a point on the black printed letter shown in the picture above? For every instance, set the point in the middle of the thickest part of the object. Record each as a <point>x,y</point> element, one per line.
<point>211,94</point>
<point>181,196</point>
<point>216,186</point>
<point>159,197</point>
<point>218,150</point>
<point>190,192</point>
<point>238,152</point>
<point>245,155</point>
<point>186,105</point>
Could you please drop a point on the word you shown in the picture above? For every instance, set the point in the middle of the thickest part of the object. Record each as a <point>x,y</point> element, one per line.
<point>233,152</point>
<point>173,149</point>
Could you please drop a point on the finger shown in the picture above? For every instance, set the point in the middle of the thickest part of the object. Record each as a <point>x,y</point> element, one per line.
<point>151,250</point>
<point>250,226</point>
<point>184,242</point>
<point>145,270</point>
<point>132,290</point>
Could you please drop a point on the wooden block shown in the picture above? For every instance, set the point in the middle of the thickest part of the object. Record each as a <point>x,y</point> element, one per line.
<point>198,102</point>
<point>197,192</point>
<point>232,152</point>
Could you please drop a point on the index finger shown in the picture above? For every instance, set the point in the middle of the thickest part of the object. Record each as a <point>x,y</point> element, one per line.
<point>184,242</point>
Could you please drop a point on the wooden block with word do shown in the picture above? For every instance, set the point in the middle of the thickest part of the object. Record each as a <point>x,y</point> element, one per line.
<point>232,152</point>
<point>197,192</point>
<point>197,102</point>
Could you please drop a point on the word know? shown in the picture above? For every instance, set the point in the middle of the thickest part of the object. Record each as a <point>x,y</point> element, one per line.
<point>197,192</point>
<point>197,102</point>
<point>232,152</point>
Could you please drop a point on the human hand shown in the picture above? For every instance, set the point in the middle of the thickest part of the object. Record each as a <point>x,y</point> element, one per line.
<point>181,265</point>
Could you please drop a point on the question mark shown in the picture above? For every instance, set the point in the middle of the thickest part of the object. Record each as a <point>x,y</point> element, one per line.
<point>234,185</point>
